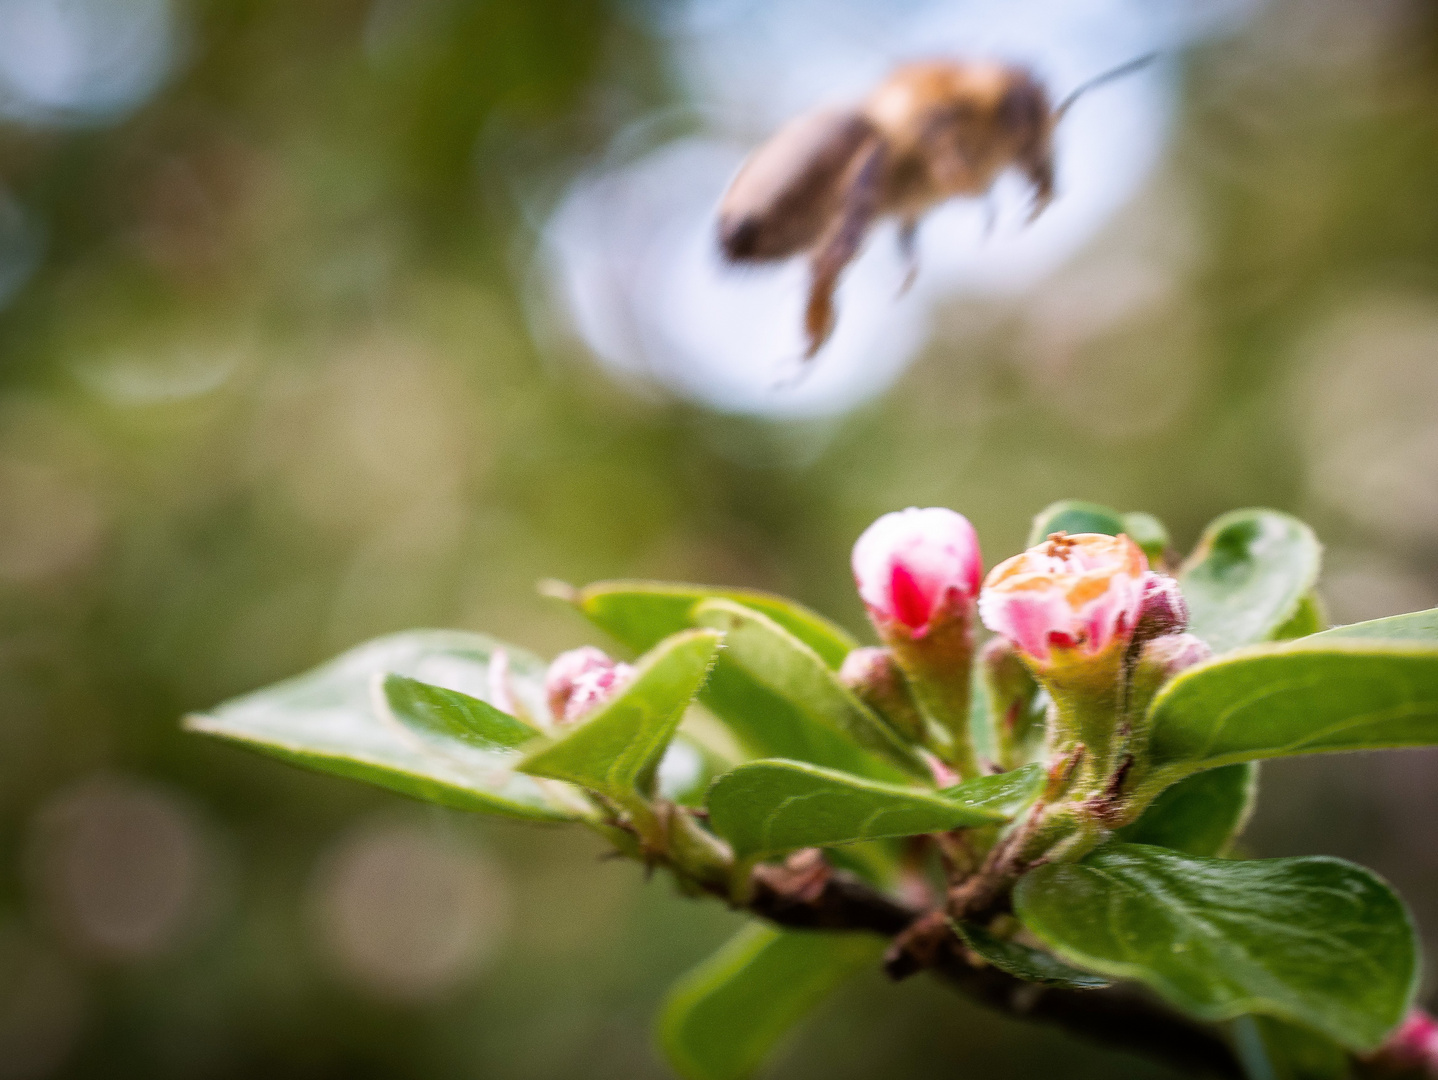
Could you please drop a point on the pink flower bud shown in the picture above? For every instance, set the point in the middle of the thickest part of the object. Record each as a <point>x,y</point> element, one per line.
<point>1172,653</point>
<point>1076,593</point>
<point>1412,1047</point>
<point>580,680</point>
<point>1163,610</point>
<point>875,678</point>
<point>915,566</point>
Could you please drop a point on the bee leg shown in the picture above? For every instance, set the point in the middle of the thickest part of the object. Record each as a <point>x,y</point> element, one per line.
<point>840,244</point>
<point>1038,166</point>
<point>909,252</point>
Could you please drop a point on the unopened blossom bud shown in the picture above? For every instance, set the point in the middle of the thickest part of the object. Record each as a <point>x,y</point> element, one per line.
<point>1163,609</point>
<point>1159,661</point>
<point>1412,1049</point>
<point>1070,598</point>
<point>877,681</point>
<point>918,574</point>
<point>580,680</point>
<point>914,567</point>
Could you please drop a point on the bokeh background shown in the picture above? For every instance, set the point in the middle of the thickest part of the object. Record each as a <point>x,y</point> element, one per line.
<point>320,320</point>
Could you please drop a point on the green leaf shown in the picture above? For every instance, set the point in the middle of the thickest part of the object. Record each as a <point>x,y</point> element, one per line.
<point>723,1018</point>
<point>1008,793</point>
<point>336,719</point>
<point>767,808</point>
<point>1415,626</point>
<point>1248,576</point>
<point>1074,516</point>
<point>1308,619</point>
<point>1269,1049</point>
<point>831,720</point>
<point>1149,533</point>
<point>1311,696</point>
<point>447,716</point>
<point>1316,941</point>
<point>616,750</point>
<point>642,613</point>
<point>1201,814</point>
<point>1023,962</point>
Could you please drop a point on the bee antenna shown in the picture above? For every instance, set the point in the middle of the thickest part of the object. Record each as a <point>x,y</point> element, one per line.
<point>1098,80</point>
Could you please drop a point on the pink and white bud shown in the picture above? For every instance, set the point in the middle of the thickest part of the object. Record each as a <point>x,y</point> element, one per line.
<point>581,680</point>
<point>1080,594</point>
<point>915,566</point>
<point>1172,653</point>
<point>1163,610</point>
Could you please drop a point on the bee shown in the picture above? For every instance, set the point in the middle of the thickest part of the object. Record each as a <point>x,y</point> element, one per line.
<point>932,131</point>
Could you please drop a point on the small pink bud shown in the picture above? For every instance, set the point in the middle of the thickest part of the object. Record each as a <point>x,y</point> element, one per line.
<point>1168,655</point>
<point>1163,610</point>
<point>1080,594</point>
<point>580,680</point>
<point>1413,1046</point>
<point>915,566</point>
<point>876,680</point>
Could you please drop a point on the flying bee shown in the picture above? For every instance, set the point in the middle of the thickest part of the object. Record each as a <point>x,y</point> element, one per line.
<point>932,131</point>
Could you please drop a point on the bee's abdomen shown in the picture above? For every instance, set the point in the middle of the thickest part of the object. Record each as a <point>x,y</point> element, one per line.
<point>788,190</point>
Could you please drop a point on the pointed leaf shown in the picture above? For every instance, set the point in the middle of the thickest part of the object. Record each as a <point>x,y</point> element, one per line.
<point>1009,793</point>
<point>1415,626</point>
<point>335,719</point>
<point>1248,576</point>
<point>1317,941</point>
<point>1201,814</point>
<point>766,808</point>
<point>1310,696</point>
<point>722,1019</point>
<point>447,716</point>
<point>833,721</point>
<point>616,750</point>
<point>641,613</point>
<point>1023,962</point>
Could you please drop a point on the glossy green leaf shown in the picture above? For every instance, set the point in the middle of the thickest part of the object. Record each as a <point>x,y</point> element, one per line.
<point>1248,576</point>
<point>832,718</point>
<point>1316,941</point>
<point>1024,962</point>
<point>336,719</point>
<point>446,716</point>
<point>1201,814</point>
<point>1008,793</point>
<point>722,1019</point>
<point>1270,1049</point>
<point>616,750</point>
<point>1074,516</point>
<point>642,613</point>
<point>767,808</point>
<point>1306,697</point>
<point>1415,626</point>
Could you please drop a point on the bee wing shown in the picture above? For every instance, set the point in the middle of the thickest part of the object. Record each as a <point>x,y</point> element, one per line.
<point>787,193</point>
